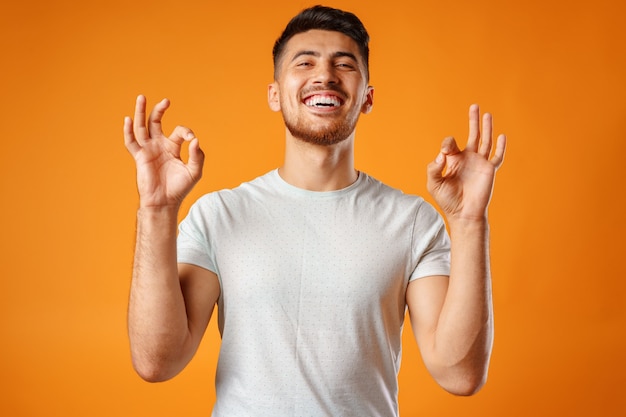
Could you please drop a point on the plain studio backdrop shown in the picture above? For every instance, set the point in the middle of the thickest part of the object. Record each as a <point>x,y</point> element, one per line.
<point>551,72</point>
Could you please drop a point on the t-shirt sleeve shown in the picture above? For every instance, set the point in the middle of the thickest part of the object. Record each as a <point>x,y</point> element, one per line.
<point>193,241</point>
<point>430,243</point>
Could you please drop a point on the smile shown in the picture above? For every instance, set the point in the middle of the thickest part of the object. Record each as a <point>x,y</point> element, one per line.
<point>322,100</point>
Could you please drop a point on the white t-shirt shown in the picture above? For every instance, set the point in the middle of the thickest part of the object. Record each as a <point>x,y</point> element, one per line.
<point>313,289</point>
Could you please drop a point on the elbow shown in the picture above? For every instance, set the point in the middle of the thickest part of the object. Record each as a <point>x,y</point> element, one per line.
<point>156,361</point>
<point>151,375</point>
<point>151,370</point>
<point>463,382</point>
<point>465,386</point>
<point>465,376</point>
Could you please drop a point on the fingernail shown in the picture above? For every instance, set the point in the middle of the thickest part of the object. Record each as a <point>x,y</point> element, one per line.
<point>439,158</point>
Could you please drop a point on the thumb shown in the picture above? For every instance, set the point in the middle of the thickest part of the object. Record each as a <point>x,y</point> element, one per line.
<point>196,158</point>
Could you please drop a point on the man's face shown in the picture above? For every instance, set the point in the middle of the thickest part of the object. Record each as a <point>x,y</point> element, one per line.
<point>321,87</point>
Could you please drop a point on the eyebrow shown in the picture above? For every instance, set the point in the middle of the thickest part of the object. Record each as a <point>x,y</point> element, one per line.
<point>338,54</point>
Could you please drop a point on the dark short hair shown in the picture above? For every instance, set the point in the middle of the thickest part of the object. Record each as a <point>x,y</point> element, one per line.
<point>324,18</point>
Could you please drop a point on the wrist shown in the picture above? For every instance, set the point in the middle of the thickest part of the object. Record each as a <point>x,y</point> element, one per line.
<point>158,207</point>
<point>468,225</point>
<point>158,211</point>
<point>156,223</point>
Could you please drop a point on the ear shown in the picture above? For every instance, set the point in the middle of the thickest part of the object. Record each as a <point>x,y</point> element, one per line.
<point>369,100</point>
<point>273,96</point>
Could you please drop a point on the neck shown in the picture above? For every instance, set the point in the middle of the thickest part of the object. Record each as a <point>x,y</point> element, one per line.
<point>319,168</point>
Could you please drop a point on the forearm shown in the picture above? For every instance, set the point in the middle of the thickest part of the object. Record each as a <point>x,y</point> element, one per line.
<point>464,334</point>
<point>456,329</point>
<point>157,320</point>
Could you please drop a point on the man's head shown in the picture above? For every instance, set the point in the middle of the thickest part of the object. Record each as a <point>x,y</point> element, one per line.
<point>324,18</point>
<point>320,77</point>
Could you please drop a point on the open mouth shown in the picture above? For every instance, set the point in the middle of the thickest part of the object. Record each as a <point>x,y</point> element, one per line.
<point>323,101</point>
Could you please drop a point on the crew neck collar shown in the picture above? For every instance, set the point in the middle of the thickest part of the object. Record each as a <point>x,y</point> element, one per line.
<point>292,189</point>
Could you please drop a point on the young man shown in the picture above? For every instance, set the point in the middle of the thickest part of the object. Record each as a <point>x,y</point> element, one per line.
<point>313,265</point>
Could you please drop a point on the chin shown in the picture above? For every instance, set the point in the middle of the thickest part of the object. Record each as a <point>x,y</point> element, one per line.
<point>332,135</point>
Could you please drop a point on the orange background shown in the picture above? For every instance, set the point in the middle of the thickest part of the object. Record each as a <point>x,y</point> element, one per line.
<point>552,72</point>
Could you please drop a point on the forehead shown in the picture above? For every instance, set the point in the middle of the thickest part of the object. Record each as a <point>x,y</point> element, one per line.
<point>324,42</point>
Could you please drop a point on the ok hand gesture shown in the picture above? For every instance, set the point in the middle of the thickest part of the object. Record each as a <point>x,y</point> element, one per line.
<point>461,182</point>
<point>163,179</point>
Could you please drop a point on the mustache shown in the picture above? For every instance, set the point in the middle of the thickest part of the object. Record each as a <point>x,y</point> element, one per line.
<point>325,87</point>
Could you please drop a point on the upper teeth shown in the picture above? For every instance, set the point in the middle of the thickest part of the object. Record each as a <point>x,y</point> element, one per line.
<point>322,101</point>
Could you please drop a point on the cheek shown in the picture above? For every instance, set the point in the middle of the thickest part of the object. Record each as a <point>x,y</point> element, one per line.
<point>291,89</point>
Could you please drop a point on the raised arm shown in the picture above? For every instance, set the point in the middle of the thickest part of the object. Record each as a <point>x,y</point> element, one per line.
<point>452,318</point>
<point>170,305</point>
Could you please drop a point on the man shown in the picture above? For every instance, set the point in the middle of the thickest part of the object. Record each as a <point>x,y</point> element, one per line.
<point>313,265</point>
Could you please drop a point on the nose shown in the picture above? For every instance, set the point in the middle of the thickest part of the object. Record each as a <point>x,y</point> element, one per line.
<point>326,74</point>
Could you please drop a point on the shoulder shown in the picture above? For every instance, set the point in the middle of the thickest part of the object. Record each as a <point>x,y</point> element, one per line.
<point>246,191</point>
<point>380,192</point>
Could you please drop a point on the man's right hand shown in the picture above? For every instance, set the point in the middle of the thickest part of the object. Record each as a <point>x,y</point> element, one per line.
<point>163,179</point>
